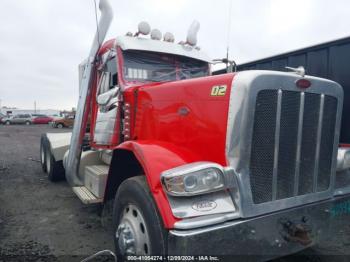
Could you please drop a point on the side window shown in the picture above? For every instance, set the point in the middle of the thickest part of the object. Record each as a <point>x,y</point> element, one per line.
<point>104,83</point>
<point>111,67</point>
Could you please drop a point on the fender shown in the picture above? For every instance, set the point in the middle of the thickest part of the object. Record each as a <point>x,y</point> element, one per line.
<point>59,144</point>
<point>156,157</point>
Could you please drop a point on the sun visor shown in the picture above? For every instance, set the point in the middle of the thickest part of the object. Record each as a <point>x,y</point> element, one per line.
<point>144,44</point>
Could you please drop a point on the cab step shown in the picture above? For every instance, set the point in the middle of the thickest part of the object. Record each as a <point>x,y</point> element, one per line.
<point>86,196</point>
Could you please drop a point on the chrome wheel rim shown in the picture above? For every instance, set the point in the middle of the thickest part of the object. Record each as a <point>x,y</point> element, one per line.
<point>132,233</point>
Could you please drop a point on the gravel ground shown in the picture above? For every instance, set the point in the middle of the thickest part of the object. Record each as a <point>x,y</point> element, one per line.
<point>38,218</point>
<point>45,221</point>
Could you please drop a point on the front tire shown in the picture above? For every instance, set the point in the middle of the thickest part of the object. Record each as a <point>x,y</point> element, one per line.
<point>28,123</point>
<point>55,169</point>
<point>59,126</point>
<point>8,123</point>
<point>137,226</point>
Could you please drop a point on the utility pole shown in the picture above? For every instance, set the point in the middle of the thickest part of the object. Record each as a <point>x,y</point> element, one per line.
<point>34,107</point>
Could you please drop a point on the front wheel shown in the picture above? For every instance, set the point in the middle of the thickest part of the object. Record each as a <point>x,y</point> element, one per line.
<point>8,123</point>
<point>28,123</point>
<point>137,225</point>
<point>59,126</point>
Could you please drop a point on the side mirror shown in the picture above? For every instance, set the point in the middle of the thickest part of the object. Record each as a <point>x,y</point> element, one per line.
<point>105,98</point>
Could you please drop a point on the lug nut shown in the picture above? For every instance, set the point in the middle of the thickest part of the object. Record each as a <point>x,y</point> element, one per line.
<point>130,241</point>
<point>130,251</point>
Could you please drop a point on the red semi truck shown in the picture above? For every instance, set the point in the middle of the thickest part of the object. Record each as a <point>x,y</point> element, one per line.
<point>236,164</point>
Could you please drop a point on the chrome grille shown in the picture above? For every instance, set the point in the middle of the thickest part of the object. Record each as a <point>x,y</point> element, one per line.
<point>292,144</point>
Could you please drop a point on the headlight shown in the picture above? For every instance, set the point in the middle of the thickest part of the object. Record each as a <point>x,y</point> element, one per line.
<point>193,179</point>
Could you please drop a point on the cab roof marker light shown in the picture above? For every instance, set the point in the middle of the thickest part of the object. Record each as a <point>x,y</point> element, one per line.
<point>143,28</point>
<point>169,37</point>
<point>156,34</point>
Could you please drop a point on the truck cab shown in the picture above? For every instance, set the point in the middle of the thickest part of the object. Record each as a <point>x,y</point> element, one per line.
<point>238,164</point>
<point>124,65</point>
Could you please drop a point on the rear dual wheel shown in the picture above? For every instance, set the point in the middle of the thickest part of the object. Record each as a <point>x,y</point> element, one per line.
<point>54,169</point>
<point>137,225</point>
<point>43,145</point>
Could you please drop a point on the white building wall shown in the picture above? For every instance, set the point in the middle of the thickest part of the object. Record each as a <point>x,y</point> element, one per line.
<point>15,111</point>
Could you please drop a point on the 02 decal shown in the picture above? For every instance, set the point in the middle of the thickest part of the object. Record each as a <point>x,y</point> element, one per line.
<point>219,90</point>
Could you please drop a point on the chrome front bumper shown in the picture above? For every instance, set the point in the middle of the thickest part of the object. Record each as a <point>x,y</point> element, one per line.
<point>268,236</point>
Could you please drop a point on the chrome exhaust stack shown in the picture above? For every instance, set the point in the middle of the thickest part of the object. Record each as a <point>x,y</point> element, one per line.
<point>81,117</point>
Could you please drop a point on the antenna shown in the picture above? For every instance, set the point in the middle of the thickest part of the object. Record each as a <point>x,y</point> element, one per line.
<point>228,32</point>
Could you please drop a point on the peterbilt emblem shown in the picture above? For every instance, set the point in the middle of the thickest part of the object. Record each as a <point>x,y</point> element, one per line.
<point>204,206</point>
<point>219,90</point>
<point>303,83</point>
<point>183,111</point>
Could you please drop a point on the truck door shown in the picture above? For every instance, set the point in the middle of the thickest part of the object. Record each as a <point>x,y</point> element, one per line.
<point>108,99</point>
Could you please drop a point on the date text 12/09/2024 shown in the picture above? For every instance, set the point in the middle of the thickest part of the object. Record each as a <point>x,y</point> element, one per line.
<point>172,258</point>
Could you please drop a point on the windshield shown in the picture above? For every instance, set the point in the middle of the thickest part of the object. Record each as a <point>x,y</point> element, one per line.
<point>156,67</point>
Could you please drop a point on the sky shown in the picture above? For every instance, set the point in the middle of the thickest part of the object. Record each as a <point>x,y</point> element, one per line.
<point>43,41</point>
